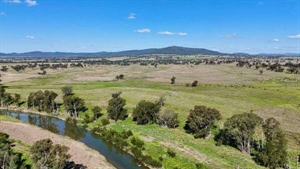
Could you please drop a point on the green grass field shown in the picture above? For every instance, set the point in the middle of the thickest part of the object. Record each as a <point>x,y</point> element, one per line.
<point>227,88</point>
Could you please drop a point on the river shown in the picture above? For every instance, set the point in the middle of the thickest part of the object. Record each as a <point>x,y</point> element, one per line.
<point>114,155</point>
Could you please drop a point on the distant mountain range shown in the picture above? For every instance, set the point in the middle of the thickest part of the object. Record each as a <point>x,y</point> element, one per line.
<point>176,50</point>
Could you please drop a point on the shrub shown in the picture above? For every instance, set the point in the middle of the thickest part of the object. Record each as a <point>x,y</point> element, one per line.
<point>137,142</point>
<point>171,153</point>
<point>105,121</point>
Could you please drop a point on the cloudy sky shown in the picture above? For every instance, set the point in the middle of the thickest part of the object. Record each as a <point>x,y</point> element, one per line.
<point>250,26</point>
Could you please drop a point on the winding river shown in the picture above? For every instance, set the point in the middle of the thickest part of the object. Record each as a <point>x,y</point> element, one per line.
<point>114,155</point>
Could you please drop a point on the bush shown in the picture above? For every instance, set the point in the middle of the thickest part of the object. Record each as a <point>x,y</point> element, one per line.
<point>137,153</point>
<point>105,121</point>
<point>149,160</point>
<point>137,142</point>
<point>171,153</point>
<point>146,112</point>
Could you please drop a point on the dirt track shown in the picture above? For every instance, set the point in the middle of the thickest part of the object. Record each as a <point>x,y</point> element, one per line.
<point>81,154</point>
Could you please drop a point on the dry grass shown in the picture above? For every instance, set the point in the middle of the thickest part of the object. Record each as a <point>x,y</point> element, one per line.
<point>269,97</point>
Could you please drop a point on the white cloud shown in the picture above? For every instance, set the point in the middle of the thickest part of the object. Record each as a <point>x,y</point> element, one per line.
<point>31,2</point>
<point>294,36</point>
<point>143,30</point>
<point>131,16</point>
<point>2,13</point>
<point>274,40</point>
<point>166,33</point>
<point>229,36</point>
<point>30,37</point>
<point>182,34</point>
<point>12,1</point>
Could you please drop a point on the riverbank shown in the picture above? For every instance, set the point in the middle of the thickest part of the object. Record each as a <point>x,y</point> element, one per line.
<point>25,110</point>
<point>80,153</point>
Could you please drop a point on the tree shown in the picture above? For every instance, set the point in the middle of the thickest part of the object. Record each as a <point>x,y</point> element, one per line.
<point>195,83</point>
<point>169,119</point>
<point>42,101</point>
<point>239,130</point>
<point>97,112</point>
<point>47,155</point>
<point>74,105</point>
<point>173,80</point>
<point>67,91</point>
<point>261,71</point>
<point>146,112</point>
<point>200,121</point>
<point>116,109</point>
<point>274,154</point>
<point>161,101</point>
<point>9,159</point>
<point>17,99</point>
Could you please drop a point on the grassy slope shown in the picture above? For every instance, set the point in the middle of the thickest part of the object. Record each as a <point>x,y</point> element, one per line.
<point>275,97</point>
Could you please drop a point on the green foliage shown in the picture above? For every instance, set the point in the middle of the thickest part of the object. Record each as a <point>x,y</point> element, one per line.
<point>105,121</point>
<point>274,153</point>
<point>171,153</point>
<point>200,121</point>
<point>169,119</point>
<point>195,83</point>
<point>116,109</point>
<point>74,105</point>
<point>200,166</point>
<point>239,130</point>
<point>42,101</point>
<point>9,159</point>
<point>137,142</point>
<point>146,112</point>
<point>67,91</point>
<point>47,155</point>
<point>97,112</point>
<point>173,80</point>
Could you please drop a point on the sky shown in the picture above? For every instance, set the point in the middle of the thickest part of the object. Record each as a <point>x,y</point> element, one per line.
<point>250,26</point>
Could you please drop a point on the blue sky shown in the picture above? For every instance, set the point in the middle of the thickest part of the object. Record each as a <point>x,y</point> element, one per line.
<point>250,26</point>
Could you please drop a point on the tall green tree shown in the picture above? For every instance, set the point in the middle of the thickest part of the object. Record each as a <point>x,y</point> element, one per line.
<point>97,112</point>
<point>239,130</point>
<point>9,159</point>
<point>200,121</point>
<point>116,109</point>
<point>74,105</point>
<point>274,153</point>
<point>67,91</point>
<point>146,112</point>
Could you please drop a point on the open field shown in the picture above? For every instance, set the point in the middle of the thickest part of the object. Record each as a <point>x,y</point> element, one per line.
<point>229,89</point>
<point>80,154</point>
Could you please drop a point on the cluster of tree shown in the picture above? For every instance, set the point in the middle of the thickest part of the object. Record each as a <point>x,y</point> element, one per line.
<point>47,155</point>
<point>8,158</point>
<point>19,67</point>
<point>73,104</point>
<point>7,99</point>
<point>43,101</point>
<point>269,151</point>
<point>4,68</point>
<point>148,112</point>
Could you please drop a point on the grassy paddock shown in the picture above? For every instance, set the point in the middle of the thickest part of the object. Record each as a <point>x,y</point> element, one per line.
<point>227,88</point>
